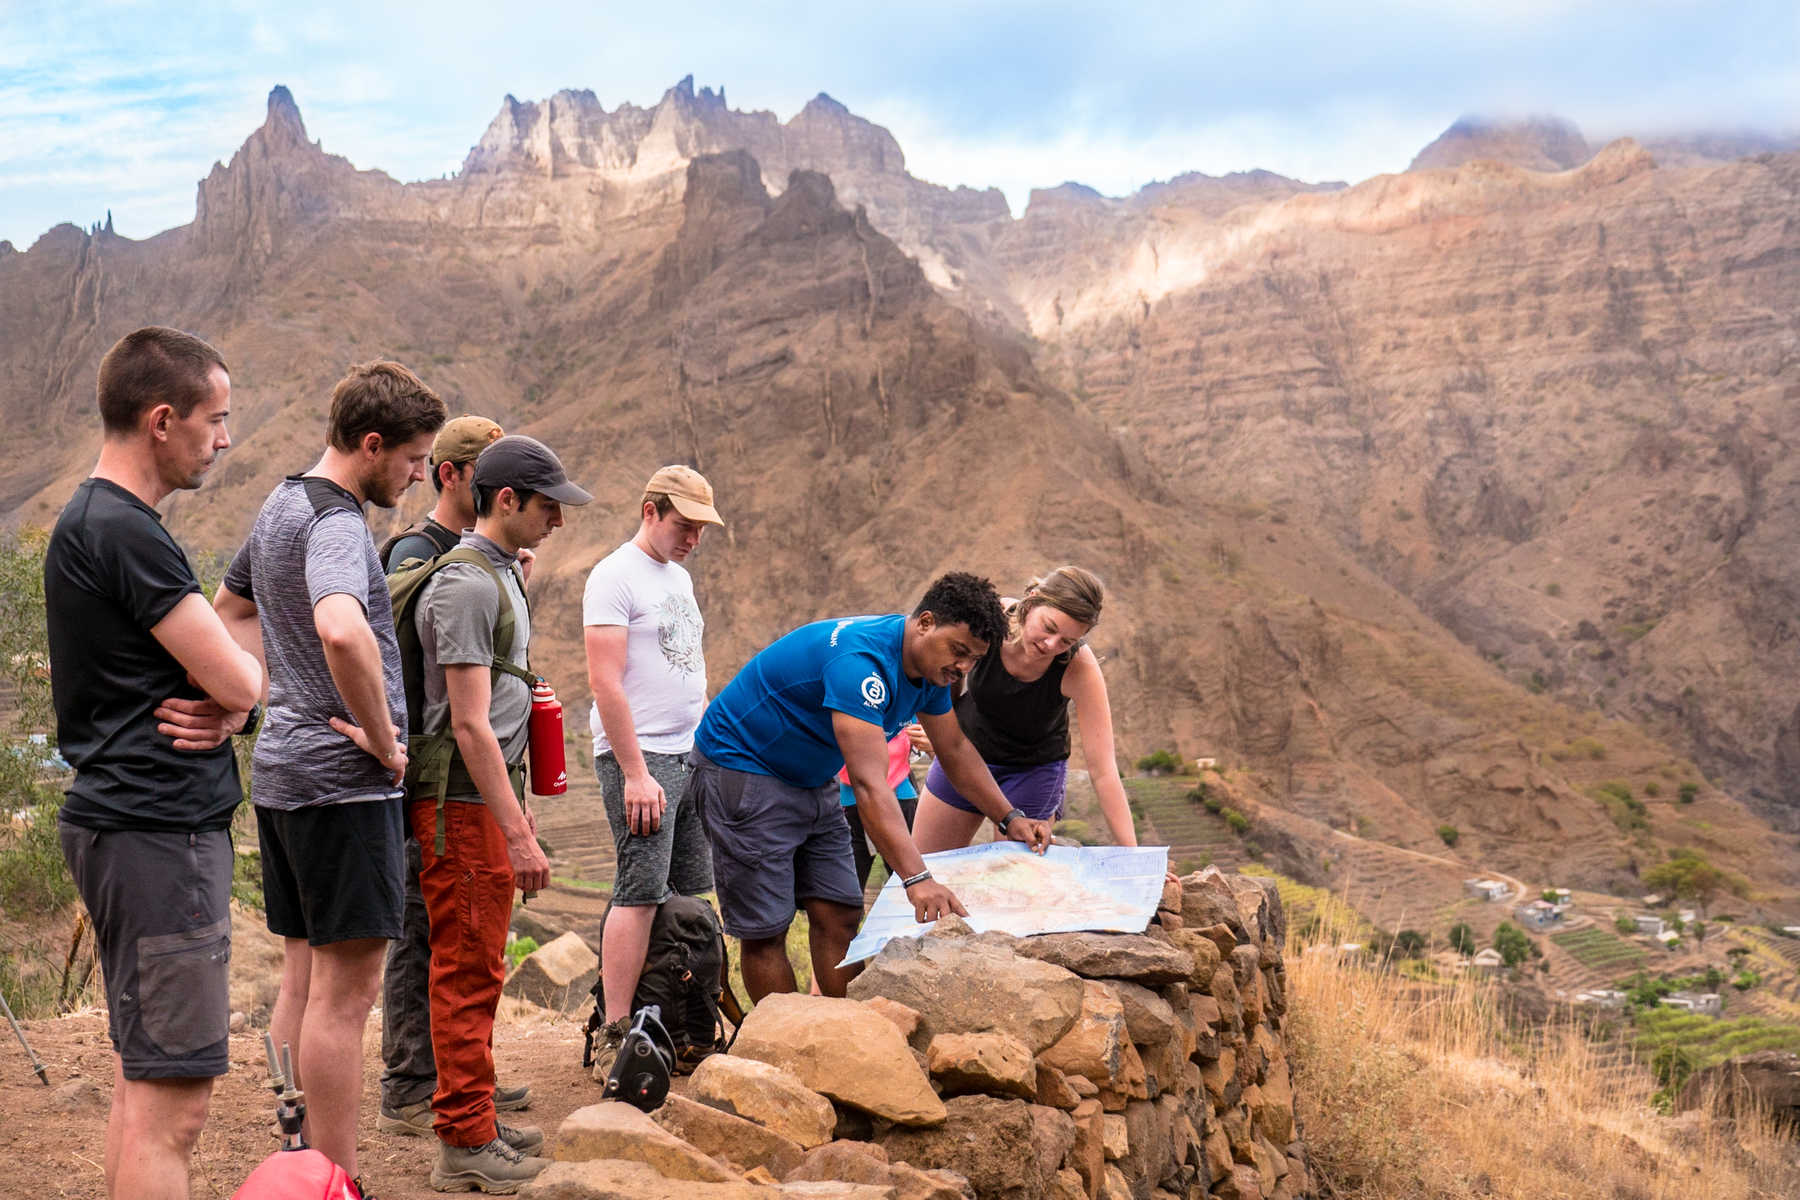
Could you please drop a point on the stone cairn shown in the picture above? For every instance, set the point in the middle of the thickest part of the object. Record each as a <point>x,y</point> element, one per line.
<point>1070,1066</point>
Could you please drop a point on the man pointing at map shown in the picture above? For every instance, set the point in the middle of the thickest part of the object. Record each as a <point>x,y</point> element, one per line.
<point>829,695</point>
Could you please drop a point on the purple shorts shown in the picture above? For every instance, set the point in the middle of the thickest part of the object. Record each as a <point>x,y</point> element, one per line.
<point>1035,791</point>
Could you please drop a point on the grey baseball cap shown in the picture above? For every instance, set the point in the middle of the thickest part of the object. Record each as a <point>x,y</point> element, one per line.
<point>526,464</point>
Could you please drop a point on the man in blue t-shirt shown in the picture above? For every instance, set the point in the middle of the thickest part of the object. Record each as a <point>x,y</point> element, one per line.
<point>830,695</point>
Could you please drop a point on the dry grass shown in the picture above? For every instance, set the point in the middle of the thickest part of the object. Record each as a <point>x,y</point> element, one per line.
<point>1411,1092</point>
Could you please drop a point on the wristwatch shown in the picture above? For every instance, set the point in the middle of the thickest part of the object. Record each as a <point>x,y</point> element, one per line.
<point>252,721</point>
<point>1005,822</point>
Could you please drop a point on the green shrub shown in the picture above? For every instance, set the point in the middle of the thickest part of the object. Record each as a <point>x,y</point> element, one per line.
<point>1462,939</point>
<point>1449,834</point>
<point>1159,762</point>
<point>1512,943</point>
<point>1652,788</point>
<point>1213,804</point>
<point>1236,820</point>
<point>1624,924</point>
<point>517,949</point>
<point>1553,589</point>
<point>33,876</point>
<point>1409,943</point>
<point>1687,792</point>
<point>1625,809</point>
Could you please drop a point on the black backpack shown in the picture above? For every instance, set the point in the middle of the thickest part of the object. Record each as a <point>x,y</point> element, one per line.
<point>685,976</point>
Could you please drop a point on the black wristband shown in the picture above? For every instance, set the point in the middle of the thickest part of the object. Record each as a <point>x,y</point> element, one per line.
<point>251,721</point>
<point>921,877</point>
<point>1005,823</point>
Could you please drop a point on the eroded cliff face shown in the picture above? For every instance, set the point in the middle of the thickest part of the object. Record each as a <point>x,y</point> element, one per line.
<point>1295,428</point>
<point>1552,408</point>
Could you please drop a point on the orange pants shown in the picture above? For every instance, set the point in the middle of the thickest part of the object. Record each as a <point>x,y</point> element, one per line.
<point>468,894</point>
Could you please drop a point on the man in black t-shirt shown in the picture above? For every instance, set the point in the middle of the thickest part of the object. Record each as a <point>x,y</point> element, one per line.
<point>148,687</point>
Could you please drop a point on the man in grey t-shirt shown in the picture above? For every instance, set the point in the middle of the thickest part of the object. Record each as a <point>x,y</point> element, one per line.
<point>476,840</point>
<point>307,592</point>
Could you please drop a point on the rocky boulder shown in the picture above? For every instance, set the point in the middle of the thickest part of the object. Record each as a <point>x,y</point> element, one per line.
<point>993,1143</point>
<point>610,1179</point>
<point>970,985</point>
<point>611,1130</point>
<point>558,976</point>
<point>844,1050</point>
<point>1134,957</point>
<point>744,1144</point>
<point>767,1095</point>
<point>997,1063</point>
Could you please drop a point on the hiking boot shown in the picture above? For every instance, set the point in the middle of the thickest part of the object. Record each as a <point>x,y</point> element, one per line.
<point>524,1138</point>
<point>606,1047</point>
<point>506,1099</point>
<point>413,1120</point>
<point>495,1168</point>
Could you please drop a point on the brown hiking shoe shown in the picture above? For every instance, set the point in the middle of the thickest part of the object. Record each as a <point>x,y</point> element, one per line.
<point>606,1047</point>
<point>415,1119</point>
<point>526,1139</point>
<point>495,1168</point>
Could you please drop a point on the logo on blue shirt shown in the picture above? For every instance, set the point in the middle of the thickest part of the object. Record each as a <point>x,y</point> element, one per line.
<point>874,691</point>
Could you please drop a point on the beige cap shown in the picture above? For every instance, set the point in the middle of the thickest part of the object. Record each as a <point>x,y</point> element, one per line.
<point>688,491</point>
<point>462,440</point>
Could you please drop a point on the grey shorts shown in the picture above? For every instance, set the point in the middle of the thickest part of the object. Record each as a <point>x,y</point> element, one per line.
<point>160,903</point>
<point>773,846</point>
<point>655,866</point>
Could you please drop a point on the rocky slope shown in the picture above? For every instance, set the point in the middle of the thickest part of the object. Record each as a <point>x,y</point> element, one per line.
<point>1228,451</point>
<point>1552,408</point>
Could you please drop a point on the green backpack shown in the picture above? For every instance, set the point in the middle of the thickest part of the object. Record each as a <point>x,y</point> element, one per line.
<point>430,755</point>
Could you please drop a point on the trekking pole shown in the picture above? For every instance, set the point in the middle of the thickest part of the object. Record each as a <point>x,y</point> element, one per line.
<point>37,1064</point>
<point>290,1102</point>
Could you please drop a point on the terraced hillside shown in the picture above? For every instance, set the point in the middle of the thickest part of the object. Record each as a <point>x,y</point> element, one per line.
<point>1710,1040</point>
<point>1195,837</point>
<point>1777,961</point>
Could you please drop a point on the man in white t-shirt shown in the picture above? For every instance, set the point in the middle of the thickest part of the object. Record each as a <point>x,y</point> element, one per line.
<point>642,634</point>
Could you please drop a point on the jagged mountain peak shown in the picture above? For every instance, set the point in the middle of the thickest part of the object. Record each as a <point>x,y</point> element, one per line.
<point>1538,143</point>
<point>284,125</point>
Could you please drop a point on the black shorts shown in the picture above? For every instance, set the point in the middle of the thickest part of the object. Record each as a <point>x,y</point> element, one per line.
<point>334,873</point>
<point>773,846</point>
<point>160,903</point>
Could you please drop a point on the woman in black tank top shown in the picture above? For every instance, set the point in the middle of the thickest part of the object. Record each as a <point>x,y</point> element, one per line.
<point>1014,706</point>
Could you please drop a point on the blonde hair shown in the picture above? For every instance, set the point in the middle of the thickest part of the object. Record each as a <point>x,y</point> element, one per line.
<point>1076,593</point>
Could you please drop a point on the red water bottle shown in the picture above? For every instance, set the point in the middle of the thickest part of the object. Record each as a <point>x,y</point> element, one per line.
<point>549,772</point>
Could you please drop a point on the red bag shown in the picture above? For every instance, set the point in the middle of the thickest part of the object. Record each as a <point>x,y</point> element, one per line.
<point>297,1175</point>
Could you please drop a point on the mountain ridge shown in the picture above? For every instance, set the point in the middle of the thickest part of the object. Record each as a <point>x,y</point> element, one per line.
<point>868,426</point>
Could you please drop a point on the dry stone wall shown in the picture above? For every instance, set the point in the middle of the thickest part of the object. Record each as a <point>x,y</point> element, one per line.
<point>1080,1066</point>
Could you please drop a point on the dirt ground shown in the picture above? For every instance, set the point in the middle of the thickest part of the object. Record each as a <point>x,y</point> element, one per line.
<point>54,1136</point>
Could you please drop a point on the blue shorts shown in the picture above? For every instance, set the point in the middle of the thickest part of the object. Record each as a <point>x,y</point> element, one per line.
<point>1037,792</point>
<point>773,846</point>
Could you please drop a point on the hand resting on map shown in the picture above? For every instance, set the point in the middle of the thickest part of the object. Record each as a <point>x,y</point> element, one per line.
<point>931,900</point>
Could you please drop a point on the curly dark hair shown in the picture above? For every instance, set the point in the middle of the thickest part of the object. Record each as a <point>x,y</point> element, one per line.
<point>959,598</point>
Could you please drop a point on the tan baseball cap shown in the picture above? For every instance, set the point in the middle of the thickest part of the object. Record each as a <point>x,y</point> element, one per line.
<point>462,440</point>
<point>688,491</point>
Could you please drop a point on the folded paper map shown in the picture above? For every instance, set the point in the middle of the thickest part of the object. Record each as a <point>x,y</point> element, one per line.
<point>1113,889</point>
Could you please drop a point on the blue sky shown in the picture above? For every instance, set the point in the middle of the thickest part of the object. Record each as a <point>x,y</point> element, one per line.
<point>126,105</point>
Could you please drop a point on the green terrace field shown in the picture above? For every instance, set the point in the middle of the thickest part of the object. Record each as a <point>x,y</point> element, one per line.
<point>1195,837</point>
<point>1709,1040</point>
<point>1600,949</point>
